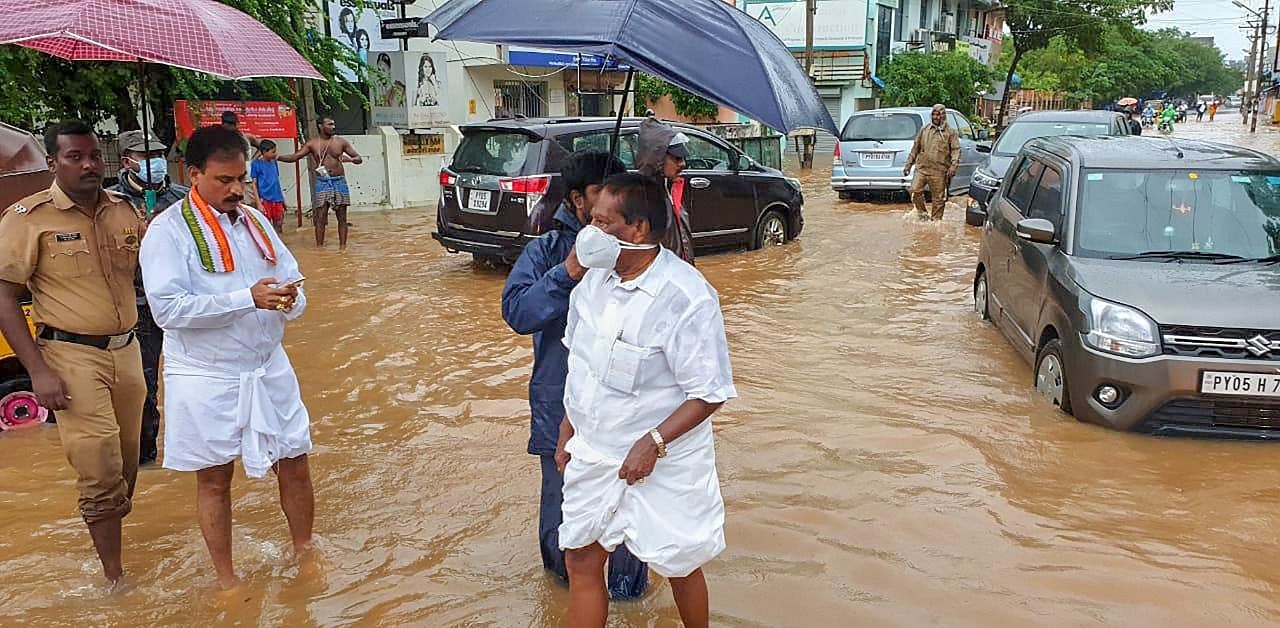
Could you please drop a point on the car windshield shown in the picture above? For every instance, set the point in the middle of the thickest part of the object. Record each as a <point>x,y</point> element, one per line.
<point>881,126</point>
<point>1209,212</point>
<point>1018,133</point>
<point>500,153</point>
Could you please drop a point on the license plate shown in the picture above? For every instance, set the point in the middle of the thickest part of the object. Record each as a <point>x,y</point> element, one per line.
<point>478,200</point>
<point>1240,384</point>
<point>877,159</point>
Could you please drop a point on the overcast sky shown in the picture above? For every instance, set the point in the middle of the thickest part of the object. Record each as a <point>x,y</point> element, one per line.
<point>1214,18</point>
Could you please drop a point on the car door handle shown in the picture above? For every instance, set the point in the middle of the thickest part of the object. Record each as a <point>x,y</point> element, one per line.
<point>700,183</point>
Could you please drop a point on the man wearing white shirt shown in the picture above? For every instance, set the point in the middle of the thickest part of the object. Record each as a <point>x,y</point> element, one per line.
<point>648,366</point>
<point>222,285</point>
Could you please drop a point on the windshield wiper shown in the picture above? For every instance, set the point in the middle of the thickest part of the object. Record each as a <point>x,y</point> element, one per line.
<point>472,168</point>
<point>1179,255</point>
<point>1270,259</point>
<point>863,139</point>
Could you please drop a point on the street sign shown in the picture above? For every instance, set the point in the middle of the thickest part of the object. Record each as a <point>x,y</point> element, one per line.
<point>404,28</point>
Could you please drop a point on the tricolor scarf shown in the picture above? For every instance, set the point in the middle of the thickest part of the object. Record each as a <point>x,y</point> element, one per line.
<point>211,241</point>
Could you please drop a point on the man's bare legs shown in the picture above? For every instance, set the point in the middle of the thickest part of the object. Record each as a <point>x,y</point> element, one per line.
<point>297,500</point>
<point>320,217</point>
<point>691,597</point>
<point>588,597</point>
<point>106,539</point>
<point>213,509</point>
<point>340,212</point>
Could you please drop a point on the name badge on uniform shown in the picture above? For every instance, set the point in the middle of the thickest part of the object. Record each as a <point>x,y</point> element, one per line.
<point>67,237</point>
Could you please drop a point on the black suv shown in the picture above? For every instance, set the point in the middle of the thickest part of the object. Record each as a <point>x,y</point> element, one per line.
<point>502,189</point>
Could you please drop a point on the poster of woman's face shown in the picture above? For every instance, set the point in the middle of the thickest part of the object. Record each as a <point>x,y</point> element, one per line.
<point>428,94</point>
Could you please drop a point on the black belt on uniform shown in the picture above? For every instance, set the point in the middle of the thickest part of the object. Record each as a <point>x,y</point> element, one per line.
<point>108,343</point>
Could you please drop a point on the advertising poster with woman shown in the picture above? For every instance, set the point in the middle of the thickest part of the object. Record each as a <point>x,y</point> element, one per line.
<point>359,28</point>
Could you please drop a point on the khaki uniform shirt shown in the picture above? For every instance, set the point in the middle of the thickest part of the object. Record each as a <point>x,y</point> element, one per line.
<point>935,150</point>
<point>79,264</point>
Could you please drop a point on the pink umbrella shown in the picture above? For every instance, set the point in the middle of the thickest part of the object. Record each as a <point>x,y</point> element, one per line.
<point>201,35</point>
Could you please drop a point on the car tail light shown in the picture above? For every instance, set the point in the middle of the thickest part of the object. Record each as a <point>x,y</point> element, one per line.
<point>448,179</point>
<point>534,188</point>
<point>526,185</point>
<point>837,150</point>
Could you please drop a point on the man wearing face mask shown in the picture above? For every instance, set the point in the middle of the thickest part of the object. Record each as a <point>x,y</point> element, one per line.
<point>648,366</point>
<point>536,301</point>
<point>144,170</point>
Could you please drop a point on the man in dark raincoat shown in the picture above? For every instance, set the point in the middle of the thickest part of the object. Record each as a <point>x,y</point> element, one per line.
<point>536,301</point>
<point>661,153</point>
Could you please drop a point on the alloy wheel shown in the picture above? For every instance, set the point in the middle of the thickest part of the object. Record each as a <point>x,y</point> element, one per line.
<point>775,231</point>
<point>1050,381</point>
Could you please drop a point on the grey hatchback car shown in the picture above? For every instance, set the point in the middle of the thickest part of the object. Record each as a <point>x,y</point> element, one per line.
<point>1141,278</point>
<point>874,145</point>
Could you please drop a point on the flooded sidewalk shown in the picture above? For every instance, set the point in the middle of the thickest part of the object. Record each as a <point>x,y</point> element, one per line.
<point>887,463</point>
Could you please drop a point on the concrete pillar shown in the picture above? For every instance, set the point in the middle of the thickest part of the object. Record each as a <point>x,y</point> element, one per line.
<point>393,148</point>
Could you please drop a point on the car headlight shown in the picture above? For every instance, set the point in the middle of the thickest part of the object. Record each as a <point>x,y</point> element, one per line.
<point>793,182</point>
<point>982,177</point>
<point>1121,330</point>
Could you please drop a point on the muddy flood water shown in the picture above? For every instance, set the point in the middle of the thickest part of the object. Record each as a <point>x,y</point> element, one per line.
<point>887,463</point>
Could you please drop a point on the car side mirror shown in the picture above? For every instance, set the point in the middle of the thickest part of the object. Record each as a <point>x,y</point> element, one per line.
<point>1037,230</point>
<point>983,147</point>
<point>741,162</point>
<point>984,134</point>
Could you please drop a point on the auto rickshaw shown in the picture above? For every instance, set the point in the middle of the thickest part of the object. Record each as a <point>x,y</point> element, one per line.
<point>23,171</point>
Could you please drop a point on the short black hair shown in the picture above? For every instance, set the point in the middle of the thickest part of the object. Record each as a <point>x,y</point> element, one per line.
<point>67,127</point>
<point>266,146</point>
<point>230,117</point>
<point>213,142</point>
<point>588,167</point>
<point>321,120</point>
<point>643,198</point>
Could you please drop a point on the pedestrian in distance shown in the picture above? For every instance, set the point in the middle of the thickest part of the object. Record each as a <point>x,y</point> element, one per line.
<point>1213,109</point>
<point>223,285</point>
<point>1131,115</point>
<point>266,183</point>
<point>328,155</point>
<point>1200,109</point>
<point>75,246</point>
<point>648,366</point>
<point>144,171</point>
<point>935,154</point>
<point>536,301</point>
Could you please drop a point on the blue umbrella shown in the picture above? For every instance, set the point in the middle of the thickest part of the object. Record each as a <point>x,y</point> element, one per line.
<point>707,47</point>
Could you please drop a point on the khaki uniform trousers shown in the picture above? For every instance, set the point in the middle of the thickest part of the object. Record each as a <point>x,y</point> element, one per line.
<point>937,182</point>
<point>101,425</point>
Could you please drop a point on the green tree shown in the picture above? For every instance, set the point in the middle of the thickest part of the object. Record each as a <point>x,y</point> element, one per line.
<point>650,89</point>
<point>1033,24</point>
<point>35,87</point>
<point>922,79</point>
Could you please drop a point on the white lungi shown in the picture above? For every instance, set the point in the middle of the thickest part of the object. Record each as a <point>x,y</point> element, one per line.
<point>229,389</point>
<point>637,351</point>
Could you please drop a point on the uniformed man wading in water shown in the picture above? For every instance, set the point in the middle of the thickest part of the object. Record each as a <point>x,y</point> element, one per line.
<point>330,151</point>
<point>75,246</point>
<point>935,155</point>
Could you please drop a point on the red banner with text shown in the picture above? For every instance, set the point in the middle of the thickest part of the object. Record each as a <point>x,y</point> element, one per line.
<point>272,120</point>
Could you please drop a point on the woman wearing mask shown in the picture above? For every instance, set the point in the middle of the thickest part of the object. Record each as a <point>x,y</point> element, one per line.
<point>648,366</point>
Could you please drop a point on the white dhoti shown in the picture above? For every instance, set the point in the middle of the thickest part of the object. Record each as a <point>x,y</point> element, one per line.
<point>212,418</point>
<point>674,521</point>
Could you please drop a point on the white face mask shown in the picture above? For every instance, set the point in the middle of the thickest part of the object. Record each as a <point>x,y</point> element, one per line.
<point>597,249</point>
<point>159,170</point>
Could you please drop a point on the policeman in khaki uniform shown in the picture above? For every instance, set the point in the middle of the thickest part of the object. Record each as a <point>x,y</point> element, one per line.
<point>935,154</point>
<point>75,246</point>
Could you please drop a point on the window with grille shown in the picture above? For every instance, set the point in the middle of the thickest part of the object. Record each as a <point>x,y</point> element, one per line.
<point>521,98</point>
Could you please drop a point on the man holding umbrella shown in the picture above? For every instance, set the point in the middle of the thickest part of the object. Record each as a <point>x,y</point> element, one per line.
<point>146,170</point>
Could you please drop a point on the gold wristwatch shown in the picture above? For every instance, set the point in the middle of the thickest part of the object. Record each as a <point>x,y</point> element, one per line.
<point>657,439</point>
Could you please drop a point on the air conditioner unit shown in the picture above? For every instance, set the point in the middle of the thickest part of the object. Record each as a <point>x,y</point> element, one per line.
<point>920,35</point>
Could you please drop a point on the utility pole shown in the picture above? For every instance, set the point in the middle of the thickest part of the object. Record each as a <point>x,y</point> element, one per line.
<point>810,8</point>
<point>1262,57</point>
<point>1248,75</point>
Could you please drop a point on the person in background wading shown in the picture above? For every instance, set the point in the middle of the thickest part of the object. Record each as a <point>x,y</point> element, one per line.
<point>535,301</point>
<point>231,122</point>
<point>660,153</point>
<point>138,157</point>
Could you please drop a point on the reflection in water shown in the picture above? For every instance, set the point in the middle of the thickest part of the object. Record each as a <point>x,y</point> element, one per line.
<point>886,465</point>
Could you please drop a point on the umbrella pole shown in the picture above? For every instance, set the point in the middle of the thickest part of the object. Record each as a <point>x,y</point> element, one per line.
<point>150,194</point>
<point>617,127</point>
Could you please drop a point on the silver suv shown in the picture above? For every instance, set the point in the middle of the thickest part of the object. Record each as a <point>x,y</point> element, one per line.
<point>874,145</point>
<point>1141,278</point>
